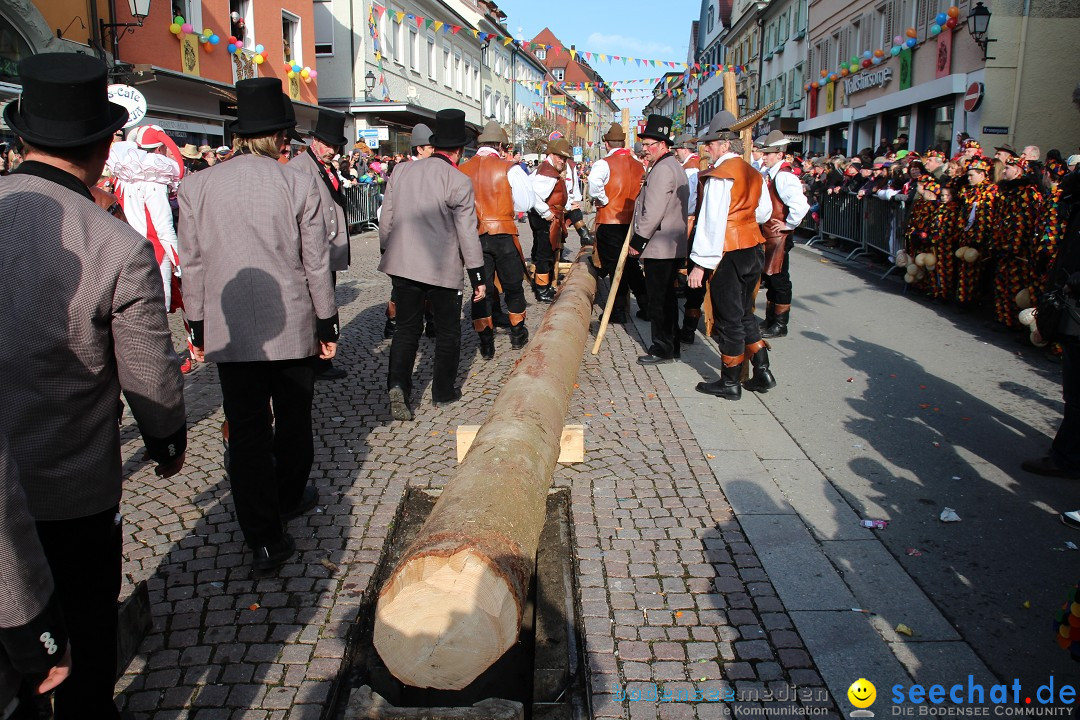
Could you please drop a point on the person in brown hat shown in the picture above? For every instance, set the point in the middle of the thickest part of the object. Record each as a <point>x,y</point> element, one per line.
<point>546,218</point>
<point>614,184</point>
<point>502,190</point>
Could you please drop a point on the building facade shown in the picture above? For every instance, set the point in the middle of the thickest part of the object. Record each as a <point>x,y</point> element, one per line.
<point>783,64</point>
<point>920,90</point>
<point>708,89</point>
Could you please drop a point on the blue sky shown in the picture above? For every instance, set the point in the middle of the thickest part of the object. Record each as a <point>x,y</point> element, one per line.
<point>652,31</point>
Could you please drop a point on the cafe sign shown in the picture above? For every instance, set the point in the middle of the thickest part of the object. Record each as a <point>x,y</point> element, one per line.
<point>866,80</point>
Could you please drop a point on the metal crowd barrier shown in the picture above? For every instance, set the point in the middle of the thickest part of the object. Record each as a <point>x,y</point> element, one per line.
<point>869,222</point>
<point>362,206</point>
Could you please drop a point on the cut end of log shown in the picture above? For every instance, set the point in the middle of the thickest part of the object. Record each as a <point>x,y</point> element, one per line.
<point>441,621</point>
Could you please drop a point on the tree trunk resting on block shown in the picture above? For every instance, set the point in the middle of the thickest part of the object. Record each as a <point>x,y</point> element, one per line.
<point>454,603</point>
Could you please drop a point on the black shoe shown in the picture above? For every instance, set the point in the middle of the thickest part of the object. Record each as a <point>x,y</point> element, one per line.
<point>779,325</point>
<point>487,343</point>
<point>331,373</point>
<point>545,294</point>
<point>1071,518</point>
<point>727,387</point>
<point>763,379</point>
<point>1048,467</point>
<point>399,403</point>
<point>651,359</point>
<point>519,336</point>
<point>448,401</point>
<point>389,328</point>
<point>268,558</point>
<point>308,500</point>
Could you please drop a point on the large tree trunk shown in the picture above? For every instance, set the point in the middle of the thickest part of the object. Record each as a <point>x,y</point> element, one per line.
<point>453,605</point>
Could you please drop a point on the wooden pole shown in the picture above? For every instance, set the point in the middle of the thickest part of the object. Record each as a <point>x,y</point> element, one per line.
<point>615,280</point>
<point>454,603</point>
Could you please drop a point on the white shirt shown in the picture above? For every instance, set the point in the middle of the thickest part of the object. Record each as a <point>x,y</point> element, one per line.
<point>573,187</point>
<point>542,185</point>
<point>520,187</point>
<point>790,190</point>
<point>712,223</point>
<point>692,178</point>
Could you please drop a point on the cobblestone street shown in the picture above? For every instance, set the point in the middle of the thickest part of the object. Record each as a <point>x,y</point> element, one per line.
<point>670,591</point>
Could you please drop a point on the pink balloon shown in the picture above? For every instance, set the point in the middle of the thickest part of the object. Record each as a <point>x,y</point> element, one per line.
<point>186,28</point>
<point>239,43</point>
<point>313,74</point>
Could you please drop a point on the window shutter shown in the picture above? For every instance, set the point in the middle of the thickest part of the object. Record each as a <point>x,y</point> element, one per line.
<point>924,18</point>
<point>887,26</point>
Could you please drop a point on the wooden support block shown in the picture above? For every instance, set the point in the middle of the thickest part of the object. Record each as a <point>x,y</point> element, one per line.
<point>571,444</point>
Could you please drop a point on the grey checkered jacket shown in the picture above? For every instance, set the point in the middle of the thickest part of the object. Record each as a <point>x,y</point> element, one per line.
<point>82,317</point>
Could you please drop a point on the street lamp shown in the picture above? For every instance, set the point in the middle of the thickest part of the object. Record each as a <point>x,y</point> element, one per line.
<point>978,24</point>
<point>369,86</point>
<point>742,98</point>
<point>139,9</point>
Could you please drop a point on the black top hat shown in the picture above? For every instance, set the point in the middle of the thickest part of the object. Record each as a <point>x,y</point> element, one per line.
<point>64,102</point>
<point>259,108</point>
<point>331,127</point>
<point>657,127</point>
<point>450,130</point>
<point>290,113</point>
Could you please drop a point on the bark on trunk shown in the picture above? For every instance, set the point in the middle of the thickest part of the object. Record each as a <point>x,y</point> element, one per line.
<point>453,604</point>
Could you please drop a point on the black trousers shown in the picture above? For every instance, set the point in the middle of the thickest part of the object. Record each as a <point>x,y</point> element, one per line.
<point>543,256</point>
<point>662,305</point>
<point>501,256</point>
<point>84,555</point>
<point>446,308</point>
<point>693,298</point>
<point>609,242</point>
<point>1066,448</point>
<point>778,286</point>
<point>732,288</point>
<point>271,449</point>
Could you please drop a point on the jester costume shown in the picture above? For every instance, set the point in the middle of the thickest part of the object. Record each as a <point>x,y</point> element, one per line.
<point>1015,236</point>
<point>946,224</point>
<point>980,208</point>
<point>1046,249</point>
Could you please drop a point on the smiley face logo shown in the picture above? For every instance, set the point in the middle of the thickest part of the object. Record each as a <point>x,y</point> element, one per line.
<point>862,693</point>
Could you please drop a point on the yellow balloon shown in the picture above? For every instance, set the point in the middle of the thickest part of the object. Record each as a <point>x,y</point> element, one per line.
<point>305,73</point>
<point>174,29</point>
<point>292,74</point>
<point>259,59</point>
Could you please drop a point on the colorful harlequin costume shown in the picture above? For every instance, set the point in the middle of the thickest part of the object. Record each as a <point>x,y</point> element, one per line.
<point>1067,624</point>
<point>980,216</point>
<point>1016,233</point>
<point>946,225</point>
<point>1046,249</point>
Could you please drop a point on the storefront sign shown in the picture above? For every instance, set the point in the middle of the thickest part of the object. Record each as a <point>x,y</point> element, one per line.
<point>867,80</point>
<point>995,130</point>
<point>830,97</point>
<point>905,69</point>
<point>943,64</point>
<point>131,100</point>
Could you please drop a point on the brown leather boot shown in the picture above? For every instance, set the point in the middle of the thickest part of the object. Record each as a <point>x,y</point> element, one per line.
<point>485,330</point>
<point>778,327</point>
<point>763,379</point>
<point>519,334</point>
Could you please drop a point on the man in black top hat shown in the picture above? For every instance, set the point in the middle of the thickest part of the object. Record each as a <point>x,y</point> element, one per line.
<point>82,319</point>
<point>428,231</point>
<point>327,140</point>
<point>260,303</point>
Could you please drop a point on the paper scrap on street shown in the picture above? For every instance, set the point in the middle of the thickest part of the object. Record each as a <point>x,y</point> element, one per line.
<point>949,515</point>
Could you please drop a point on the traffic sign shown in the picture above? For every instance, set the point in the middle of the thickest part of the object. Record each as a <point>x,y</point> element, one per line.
<point>974,96</point>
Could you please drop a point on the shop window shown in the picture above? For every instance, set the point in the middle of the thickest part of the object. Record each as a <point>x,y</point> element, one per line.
<point>323,16</point>
<point>290,38</point>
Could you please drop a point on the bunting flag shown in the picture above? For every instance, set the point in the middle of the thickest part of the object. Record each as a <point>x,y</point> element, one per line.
<point>373,29</point>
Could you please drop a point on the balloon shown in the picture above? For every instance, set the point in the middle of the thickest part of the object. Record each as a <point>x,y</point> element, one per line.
<point>897,40</point>
<point>896,50</point>
<point>854,67</point>
<point>232,39</point>
<point>292,74</point>
<point>935,29</point>
<point>953,12</point>
<point>854,59</point>
<point>307,79</point>
<point>259,59</point>
<point>879,53</point>
<point>296,68</point>
<point>305,73</point>
<point>844,72</point>
<point>187,29</point>
<point>824,73</point>
<point>815,85</point>
<point>174,29</point>
<point>951,23</point>
<point>940,19</point>
<point>877,61</point>
<point>912,33</point>
<point>259,48</point>
<point>867,63</point>
<point>911,42</point>
<point>314,74</point>
<point>203,40</point>
<point>179,20</point>
<point>239,43</point>
<point>867,55</point>
<point>214,39</point>
<point>231,48</point>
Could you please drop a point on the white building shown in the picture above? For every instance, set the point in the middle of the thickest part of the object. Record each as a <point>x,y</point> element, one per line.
<point>783,63</point>
<point>709,88</point>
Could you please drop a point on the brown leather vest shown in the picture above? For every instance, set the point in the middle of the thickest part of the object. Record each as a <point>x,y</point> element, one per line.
<point>742,228</point>
<point>494,198</point>
<point>556,201</point>
<point>622,189</point>
<point>775,238</point>
<point>693,162</point>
